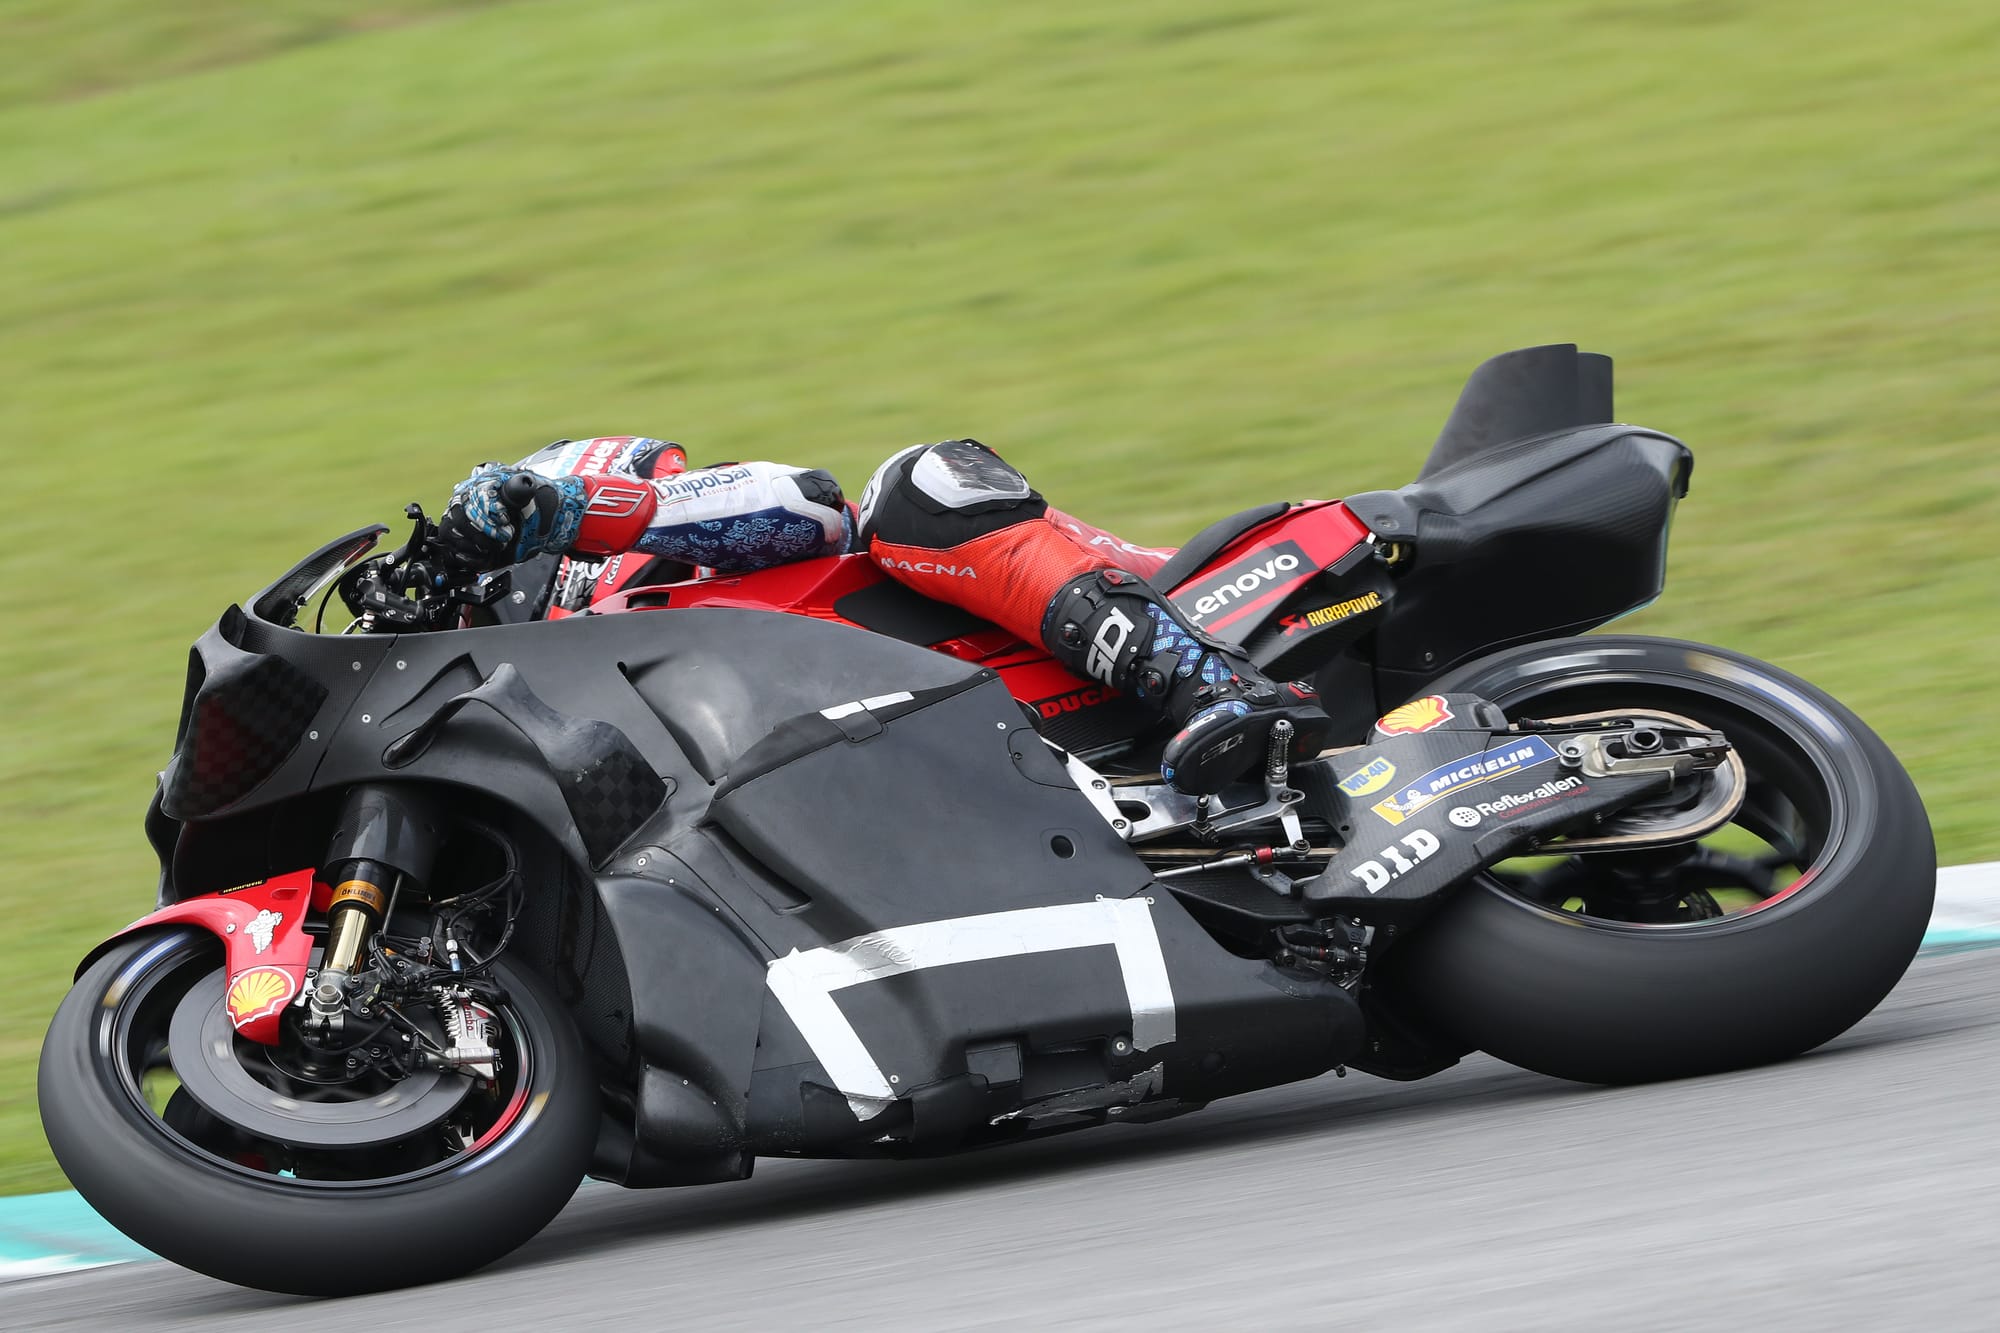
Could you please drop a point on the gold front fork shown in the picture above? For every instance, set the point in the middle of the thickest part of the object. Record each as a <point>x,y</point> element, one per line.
<point>359,903</point>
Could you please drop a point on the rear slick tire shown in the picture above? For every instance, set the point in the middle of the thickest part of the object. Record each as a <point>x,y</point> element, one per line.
<point>293,1236</point>
<point>1602,1001</point>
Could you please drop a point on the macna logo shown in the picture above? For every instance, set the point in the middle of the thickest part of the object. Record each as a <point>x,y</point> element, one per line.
<point>1370,778</point>
<point>929,567</point>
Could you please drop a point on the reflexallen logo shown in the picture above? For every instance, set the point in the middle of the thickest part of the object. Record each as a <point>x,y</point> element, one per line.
<point>1514,803</point>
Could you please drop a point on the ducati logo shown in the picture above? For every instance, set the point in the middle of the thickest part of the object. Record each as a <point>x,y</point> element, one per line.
<point>1102,661</point>
<point>1058,704</point>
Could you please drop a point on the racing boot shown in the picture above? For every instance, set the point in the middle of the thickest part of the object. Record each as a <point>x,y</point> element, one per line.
<point>1112,626</point>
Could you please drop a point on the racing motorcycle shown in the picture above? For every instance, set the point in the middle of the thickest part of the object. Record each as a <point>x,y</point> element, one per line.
<point>642,875</point>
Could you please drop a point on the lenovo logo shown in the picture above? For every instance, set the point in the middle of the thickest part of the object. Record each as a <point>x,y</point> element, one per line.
<point>1245,581</point>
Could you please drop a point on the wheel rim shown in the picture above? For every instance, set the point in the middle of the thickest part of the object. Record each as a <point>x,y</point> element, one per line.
<point>1791,828</point>
<point>134,1051</point>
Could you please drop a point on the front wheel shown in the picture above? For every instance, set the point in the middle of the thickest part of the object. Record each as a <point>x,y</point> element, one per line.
<point>1758,943</point>
<point>285,1207</point>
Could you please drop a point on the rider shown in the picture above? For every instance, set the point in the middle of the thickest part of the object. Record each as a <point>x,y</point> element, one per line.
<point>951,520</point>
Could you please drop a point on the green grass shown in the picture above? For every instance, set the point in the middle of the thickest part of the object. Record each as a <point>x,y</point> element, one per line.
<point>268,271</point>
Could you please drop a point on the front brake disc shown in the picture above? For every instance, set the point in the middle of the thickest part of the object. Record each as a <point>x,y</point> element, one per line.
<point>203,1047</point>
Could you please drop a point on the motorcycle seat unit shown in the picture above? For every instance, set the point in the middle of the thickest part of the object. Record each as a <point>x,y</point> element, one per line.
<point>1204,545</point>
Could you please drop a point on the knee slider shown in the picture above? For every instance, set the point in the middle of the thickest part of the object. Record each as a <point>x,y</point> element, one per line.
<point>940,495</point>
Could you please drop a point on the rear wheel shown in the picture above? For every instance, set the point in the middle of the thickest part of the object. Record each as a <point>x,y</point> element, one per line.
<point>1757,943</point>
<point>260,1166</point>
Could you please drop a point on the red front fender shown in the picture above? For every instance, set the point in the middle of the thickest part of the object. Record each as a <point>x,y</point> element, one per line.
<point>262,929</point>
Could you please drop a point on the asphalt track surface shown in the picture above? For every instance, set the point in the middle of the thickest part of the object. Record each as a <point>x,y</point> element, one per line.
<point>1858,1187</point>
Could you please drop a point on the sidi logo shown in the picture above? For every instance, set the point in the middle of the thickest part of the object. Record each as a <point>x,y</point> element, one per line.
<point>1102,661</point>
<point>1248,579</point>
<point>1375,876</point>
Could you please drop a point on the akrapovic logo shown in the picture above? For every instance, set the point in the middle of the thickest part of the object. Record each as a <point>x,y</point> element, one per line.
<point>1253,576</point>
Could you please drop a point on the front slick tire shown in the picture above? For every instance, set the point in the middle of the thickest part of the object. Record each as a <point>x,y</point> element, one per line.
<point>308,1238</point>
<point>1554,981</point>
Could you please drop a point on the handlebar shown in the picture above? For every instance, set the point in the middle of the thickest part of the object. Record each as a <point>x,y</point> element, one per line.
<point>412,589</point>
<point>518,491</point>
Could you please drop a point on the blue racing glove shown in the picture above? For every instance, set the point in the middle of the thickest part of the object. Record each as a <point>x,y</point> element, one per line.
<point>482,529</point>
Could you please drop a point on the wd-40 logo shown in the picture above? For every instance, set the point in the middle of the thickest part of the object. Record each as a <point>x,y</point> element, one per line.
<point>1459,774</point>
<point>1370,778</point>
<point>1249,579</point>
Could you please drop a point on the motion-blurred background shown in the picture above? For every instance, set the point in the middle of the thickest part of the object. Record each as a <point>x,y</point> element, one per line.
<point>268,270</point>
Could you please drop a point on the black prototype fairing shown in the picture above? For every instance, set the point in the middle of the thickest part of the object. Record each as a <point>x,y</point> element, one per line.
<point>814,890</point>
<point>850,892</point>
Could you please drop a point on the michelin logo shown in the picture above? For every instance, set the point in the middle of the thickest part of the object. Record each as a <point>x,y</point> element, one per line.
<point>1459,774</point>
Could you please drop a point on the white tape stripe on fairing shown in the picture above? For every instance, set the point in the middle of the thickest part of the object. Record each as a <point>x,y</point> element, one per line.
<point>1968,915</point>
<point>804,983</point>
<point>838,711</point>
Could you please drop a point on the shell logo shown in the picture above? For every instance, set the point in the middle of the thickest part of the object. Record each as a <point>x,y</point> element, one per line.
<point>1414,716</point>
<point>259,993</point>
